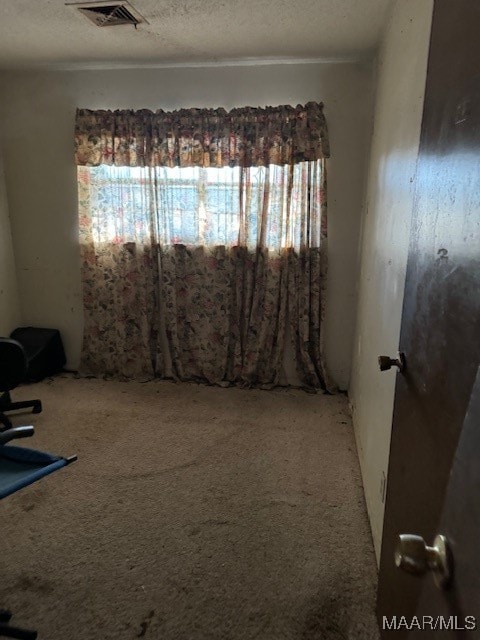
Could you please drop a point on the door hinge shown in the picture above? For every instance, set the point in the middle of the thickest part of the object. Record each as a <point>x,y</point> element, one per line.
<point>383,487</point>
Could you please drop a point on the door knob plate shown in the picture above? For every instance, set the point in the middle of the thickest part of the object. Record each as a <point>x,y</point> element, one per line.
<point>443,563</point>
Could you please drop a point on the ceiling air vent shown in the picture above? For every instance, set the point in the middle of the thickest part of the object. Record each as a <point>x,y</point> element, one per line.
<point>109,14</point>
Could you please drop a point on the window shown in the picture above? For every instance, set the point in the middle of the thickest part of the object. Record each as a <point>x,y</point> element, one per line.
<point>271,206</point>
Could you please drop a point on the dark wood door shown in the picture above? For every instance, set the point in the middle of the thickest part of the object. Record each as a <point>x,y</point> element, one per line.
<point>441,315</point>
<point>455,612</point>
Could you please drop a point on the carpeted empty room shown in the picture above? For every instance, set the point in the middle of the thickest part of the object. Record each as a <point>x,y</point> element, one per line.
<point>193,512</point>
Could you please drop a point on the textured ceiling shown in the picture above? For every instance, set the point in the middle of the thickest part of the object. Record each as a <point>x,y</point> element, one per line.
<point>46,32</point>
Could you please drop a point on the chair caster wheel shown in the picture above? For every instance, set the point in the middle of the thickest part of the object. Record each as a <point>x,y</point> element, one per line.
<point>37,407</point>
<point>5,423</point>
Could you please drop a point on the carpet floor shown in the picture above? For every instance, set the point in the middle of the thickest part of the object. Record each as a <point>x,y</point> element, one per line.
<point>192,513</point>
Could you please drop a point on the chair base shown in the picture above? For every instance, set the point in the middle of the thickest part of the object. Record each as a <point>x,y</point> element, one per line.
<point>6,404</point>
<point>7,631</point>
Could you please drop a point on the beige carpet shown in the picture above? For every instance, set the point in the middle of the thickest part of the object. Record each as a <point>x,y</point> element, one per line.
<point>193,513</point>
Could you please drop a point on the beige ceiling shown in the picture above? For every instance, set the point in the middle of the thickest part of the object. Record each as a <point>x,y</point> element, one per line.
<point>46,32</point>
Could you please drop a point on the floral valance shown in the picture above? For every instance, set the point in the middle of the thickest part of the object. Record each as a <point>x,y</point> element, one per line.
<point>202,137</point>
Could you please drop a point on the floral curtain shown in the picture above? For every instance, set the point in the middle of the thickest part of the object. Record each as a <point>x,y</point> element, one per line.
<point>197,254</point>
<point>202,137</point>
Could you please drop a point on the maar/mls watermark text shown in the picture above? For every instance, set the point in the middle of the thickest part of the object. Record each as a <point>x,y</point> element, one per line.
<point>430,623</point>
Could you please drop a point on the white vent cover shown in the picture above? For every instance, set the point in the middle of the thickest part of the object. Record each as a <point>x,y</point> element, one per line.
<point>109,14</point>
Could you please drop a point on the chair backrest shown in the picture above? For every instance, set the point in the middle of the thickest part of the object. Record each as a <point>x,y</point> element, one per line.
<point>13,364</point>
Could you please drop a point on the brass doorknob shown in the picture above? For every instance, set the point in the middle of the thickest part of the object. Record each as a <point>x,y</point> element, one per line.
<point>413,555</point>
<point>385,362</point>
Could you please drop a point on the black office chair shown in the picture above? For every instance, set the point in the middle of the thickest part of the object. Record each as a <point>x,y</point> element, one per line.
<point>13,371</point>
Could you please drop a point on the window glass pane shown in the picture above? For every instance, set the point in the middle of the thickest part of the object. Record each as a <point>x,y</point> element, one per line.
<point>222,205</point>
<point>178,195</point>
<point>120,203</point>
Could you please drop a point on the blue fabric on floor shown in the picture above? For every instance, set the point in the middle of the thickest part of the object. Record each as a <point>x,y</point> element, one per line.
<point>20,467</point>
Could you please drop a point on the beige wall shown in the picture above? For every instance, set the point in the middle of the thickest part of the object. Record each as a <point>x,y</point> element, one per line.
<point>36,129</point>
<point>9,304</point>
<point>402,66</point>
